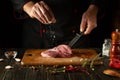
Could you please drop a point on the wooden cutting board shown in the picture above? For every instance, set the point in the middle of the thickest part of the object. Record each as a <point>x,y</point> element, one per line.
<point>33,57</point>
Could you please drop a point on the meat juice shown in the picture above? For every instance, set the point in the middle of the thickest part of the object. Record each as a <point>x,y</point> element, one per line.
<point>115,50</point>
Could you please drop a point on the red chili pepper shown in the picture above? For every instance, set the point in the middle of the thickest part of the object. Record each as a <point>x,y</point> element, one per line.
<point>76,68</point>
<point>69,68</point>
<point>114,63</point>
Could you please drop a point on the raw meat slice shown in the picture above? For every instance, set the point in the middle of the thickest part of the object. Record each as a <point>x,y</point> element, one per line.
<point>49,53</point>
<point>62,50</point>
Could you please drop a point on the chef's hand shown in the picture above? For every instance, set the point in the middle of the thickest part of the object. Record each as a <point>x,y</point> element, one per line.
<point>40,11</point>
<point>89,19</point>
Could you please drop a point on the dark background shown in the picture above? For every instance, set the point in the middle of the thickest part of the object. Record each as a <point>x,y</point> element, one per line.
<point>11,28</point>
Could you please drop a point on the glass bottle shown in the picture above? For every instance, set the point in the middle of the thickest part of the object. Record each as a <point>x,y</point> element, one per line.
<point>106,47</point>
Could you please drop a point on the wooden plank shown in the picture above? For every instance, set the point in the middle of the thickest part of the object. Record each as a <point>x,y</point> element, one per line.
<point>33,57</point>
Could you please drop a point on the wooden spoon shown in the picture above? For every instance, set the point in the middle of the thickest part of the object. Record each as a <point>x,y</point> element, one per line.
<point>111,72</point>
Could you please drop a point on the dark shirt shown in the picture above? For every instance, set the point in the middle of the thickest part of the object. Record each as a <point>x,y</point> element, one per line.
<point>18,4</point>
<point>68,14</point>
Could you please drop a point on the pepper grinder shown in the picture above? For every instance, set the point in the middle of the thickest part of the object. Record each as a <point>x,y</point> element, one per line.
<point>115,50</point>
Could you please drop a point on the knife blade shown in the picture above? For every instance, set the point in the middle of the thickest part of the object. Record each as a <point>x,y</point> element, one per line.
<point>75,39</point>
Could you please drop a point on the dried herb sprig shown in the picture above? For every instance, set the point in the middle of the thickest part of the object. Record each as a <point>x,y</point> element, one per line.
<point>93,60</point>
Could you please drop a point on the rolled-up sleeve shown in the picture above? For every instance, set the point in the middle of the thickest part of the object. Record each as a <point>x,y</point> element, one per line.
<point>100,3</point>
<point>18,4</point>
<point>18,8</point>
<point>102,6</point>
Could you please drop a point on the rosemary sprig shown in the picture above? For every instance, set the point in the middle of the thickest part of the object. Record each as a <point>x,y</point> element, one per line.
<point>93,60</point>
<point>90,61</point>
<point>85,62</point>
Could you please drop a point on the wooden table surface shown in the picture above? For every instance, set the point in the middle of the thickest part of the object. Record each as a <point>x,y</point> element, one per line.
<point>40,72</point>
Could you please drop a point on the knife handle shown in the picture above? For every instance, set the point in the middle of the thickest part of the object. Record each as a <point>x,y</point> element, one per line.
<point>75,39</point>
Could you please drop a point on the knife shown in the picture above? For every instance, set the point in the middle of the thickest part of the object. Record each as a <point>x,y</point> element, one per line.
<point>75,39</point>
